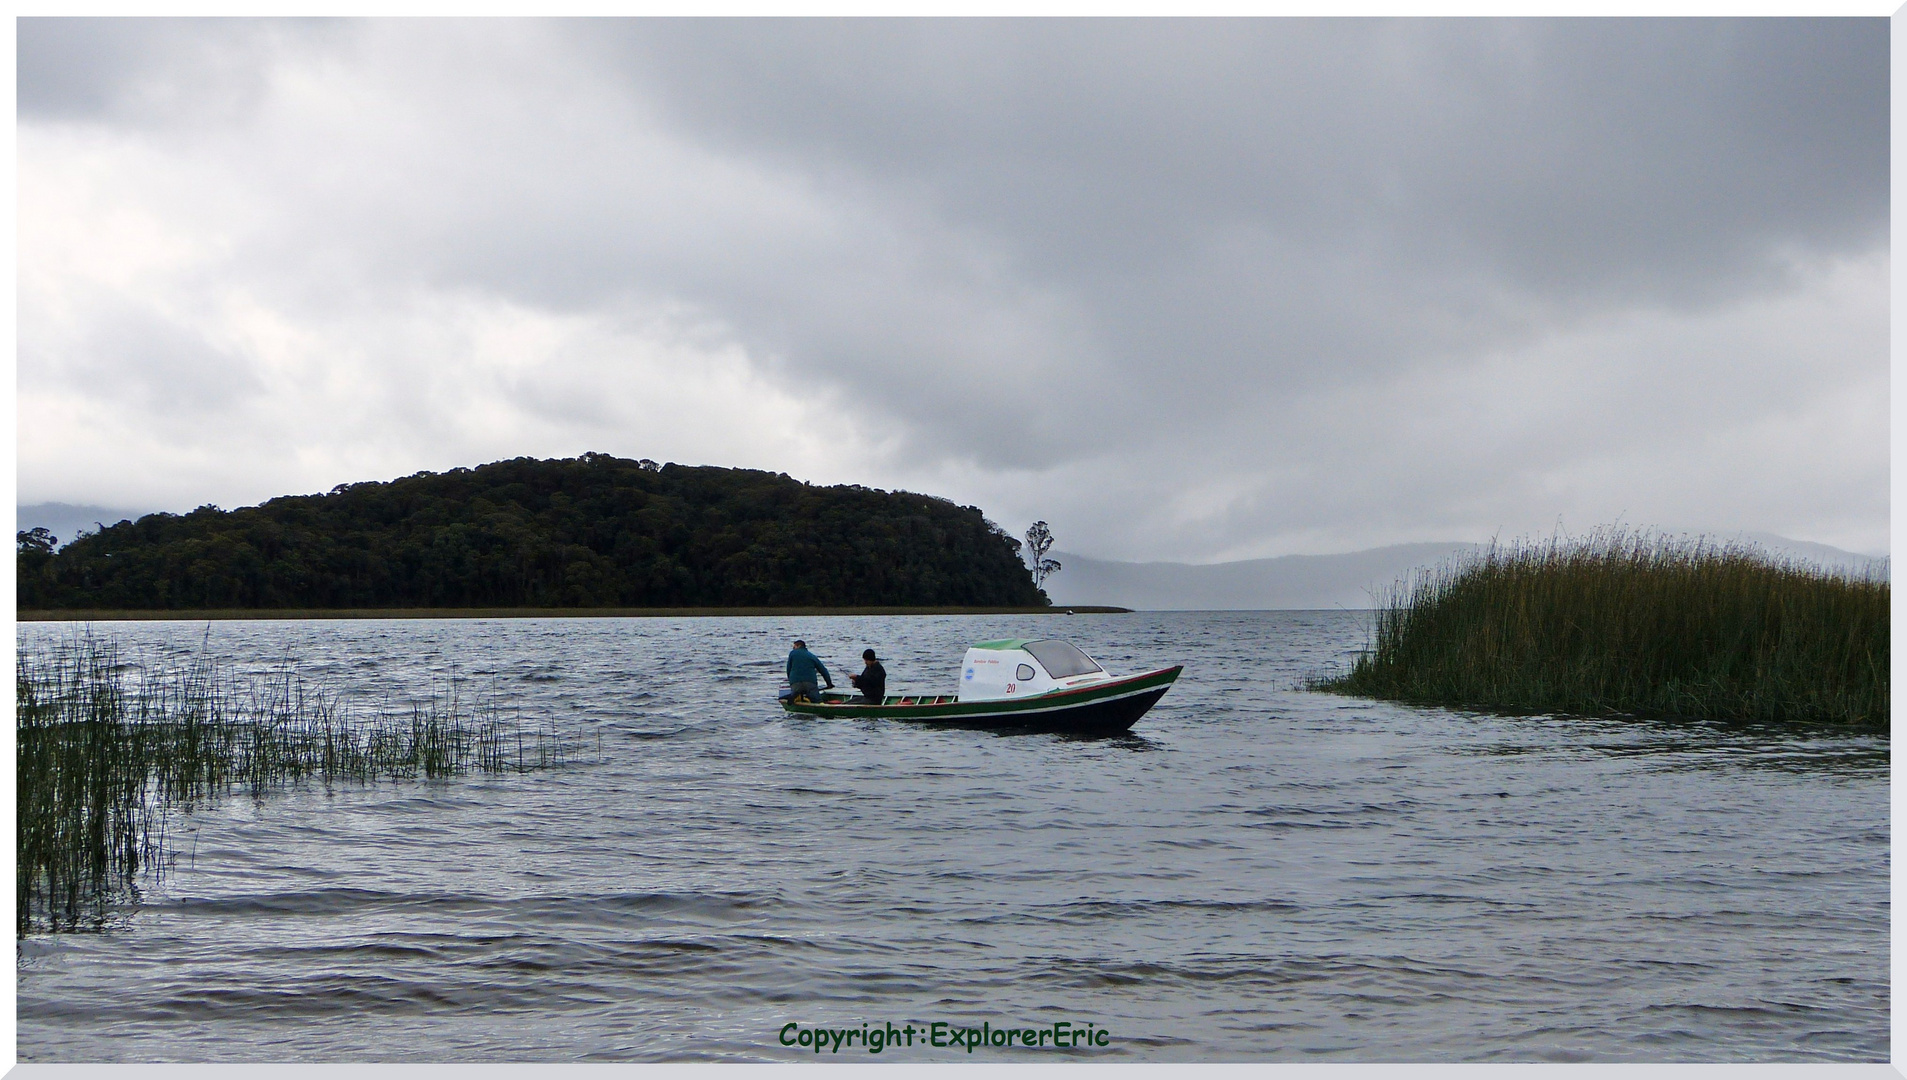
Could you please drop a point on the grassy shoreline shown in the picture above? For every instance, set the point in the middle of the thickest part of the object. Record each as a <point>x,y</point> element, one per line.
<point>1628,624</point>
<point>108,752</point>
<point>221,614</point>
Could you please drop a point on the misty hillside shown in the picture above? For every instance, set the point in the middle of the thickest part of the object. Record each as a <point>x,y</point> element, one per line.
<point>1354,580</point>
<point>67,520</point>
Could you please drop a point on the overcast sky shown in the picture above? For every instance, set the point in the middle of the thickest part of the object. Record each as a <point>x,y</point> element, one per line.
<point>1191,290</point>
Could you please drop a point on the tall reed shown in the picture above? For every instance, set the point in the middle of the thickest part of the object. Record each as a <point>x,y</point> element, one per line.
<point>1632,623</point>
<point>106,751</point>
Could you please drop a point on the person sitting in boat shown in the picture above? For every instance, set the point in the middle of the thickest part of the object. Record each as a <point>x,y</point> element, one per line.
<point>802,668</point>
<point>872,681</point>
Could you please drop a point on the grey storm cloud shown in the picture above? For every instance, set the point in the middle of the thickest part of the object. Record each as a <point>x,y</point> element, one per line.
<point>1572,157</point>
<point>1042,248</point>
<point>1319,197</point>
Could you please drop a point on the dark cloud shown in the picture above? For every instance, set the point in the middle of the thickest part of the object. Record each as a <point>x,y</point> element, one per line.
<point>153,69</point>
<point>1206,267</point>
<point>1301,199</point>
<point>1568,156</point>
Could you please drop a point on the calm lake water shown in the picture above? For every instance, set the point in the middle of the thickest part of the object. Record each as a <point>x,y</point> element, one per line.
<point>1258,872</point>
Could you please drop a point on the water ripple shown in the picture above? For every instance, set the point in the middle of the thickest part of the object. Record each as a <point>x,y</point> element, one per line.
<point>1257,873</point>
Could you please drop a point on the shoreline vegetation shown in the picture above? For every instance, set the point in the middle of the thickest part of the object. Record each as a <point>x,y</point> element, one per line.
<point>589,532</point>
<point>109,754</point>
<point>222,614</point>
<point>1624,623</point>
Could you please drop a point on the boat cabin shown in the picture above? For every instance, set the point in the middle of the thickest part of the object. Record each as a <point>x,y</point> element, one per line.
<point>1021,667</point>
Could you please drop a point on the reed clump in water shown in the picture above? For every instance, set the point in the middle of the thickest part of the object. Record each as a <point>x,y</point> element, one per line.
<point>1626,623</point>
<point>103,757</point>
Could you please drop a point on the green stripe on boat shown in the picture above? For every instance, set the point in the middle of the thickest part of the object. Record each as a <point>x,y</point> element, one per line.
<point>1005,643</point>
<point>993,707</point>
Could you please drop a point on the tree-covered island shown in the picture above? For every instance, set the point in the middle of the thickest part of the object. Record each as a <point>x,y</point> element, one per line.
<point>593,531</point>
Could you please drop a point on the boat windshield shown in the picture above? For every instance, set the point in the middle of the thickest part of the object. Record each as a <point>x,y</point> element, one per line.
<point>1060,659</point>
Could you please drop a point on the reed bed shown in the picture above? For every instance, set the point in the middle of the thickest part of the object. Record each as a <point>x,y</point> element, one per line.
<point>106,752</point>
<point>1633,624</point>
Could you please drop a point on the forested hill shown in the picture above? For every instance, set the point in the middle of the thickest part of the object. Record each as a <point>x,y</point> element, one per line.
<point>594,531</point>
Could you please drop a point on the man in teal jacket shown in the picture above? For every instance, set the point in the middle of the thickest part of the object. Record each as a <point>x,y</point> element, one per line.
<point>802,666</point>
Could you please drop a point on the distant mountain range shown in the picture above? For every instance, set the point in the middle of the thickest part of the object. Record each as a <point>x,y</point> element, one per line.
<point>67,520</point>
<point>1354,580</point>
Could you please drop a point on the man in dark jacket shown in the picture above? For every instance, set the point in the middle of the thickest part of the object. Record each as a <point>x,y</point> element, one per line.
<point>871,682</point>
<point>802,668</point>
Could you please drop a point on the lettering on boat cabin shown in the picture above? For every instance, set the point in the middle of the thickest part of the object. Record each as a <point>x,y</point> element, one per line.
<point>1024,668</point>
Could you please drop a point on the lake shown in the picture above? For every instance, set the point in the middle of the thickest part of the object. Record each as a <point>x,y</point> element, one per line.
<point>1256,873</point>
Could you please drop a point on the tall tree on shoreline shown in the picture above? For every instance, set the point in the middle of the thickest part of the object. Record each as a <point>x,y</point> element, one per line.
<point>1039,540</point>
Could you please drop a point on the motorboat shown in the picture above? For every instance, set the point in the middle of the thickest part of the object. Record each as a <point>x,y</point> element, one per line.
<point>1015,683</point>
